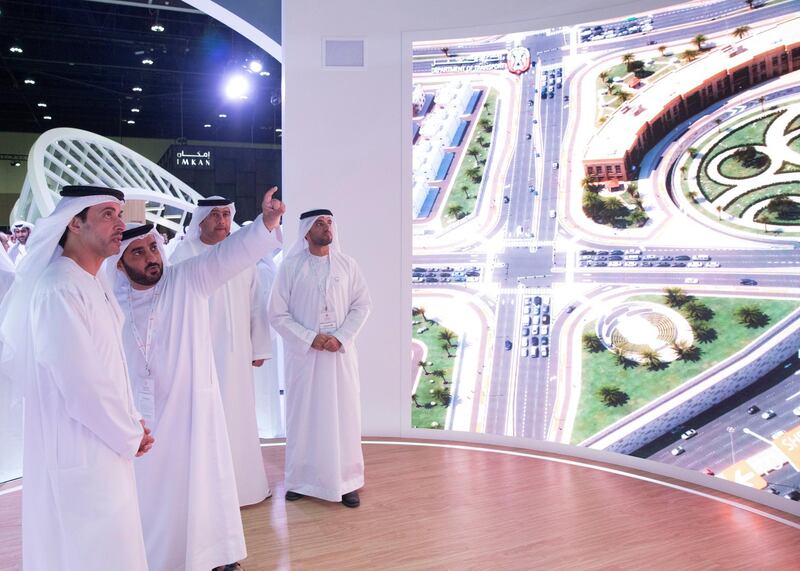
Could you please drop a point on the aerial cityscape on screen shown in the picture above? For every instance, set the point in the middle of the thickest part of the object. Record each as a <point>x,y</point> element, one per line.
<point>606,237</point>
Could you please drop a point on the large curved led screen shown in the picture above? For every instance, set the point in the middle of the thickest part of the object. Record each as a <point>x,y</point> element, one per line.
<point>606,222</point>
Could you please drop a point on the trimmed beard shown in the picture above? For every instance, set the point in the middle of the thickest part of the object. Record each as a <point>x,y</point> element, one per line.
<point>142,278</point>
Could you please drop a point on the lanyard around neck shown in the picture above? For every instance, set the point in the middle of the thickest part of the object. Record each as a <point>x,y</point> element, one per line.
<point>143,346</point>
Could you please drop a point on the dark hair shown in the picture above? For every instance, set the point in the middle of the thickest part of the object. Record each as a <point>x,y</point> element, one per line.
<point>82,215</point>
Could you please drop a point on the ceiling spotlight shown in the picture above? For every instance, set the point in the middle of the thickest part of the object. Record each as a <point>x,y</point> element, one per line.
<point>131,122</point>
<point>16,164</point>
<point>236,87</point>
<point>30,81</point>
<point>157,28</point>
<point>264,74</point>
<point>147,61</point>
<point>15,50</point>
<point>222,116</point>
<point>255,66</point>
<point>279,130</point>
<point>136,88</point>
<point>40,104</point>
<point>207,125</point>
<point>47,117</point>
<point>135,109</point>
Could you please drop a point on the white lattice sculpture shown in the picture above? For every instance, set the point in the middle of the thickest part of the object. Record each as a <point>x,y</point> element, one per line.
<point>64,156</point>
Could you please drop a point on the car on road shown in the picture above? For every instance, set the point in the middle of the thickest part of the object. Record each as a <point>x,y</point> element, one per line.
<point>537,309</point>
<point>683,258</point>
<point>614,264</point>
<point>534,351</point>
<point>694,265</point>
<point>534,341</point>
<point>537,300</point>
<point>536,319</point>
<point>794,495</point>
<point>534,330</point>
<point>524,342</point>
<point>545,319</point>
<point>587,253</point>
<point>663,264</point>
<point>630,264</point>
<point>767,414</point>
<point>544,329</point>
<point>688,434</point>
<point>711,265</point>
<point>647,264</point>
<point>691,281</point>
<point>650,257</point>
<point>678,264</point>
<point>545,351</point>
<point>552,214</point>
<point>525,352</point>
<point>796,411</point>
<point>634,251</point>
<point>528,137</point>
<point>526,310</point>
<point>677,451</point>
<point>748,282</point>
<point>616,252</point>
<point>666,258</point>
<point>753,409</point>
<point>528,301</point>
<point>545,340</point>
<point>546,309</point>
<point>555,165</point>
<point>525,332</point>
<point>708,471</point>
<point>777,434</point>
<point>526,321</point>
<point>508,345</point>
<point>570,309</point>
<point>615,258</point>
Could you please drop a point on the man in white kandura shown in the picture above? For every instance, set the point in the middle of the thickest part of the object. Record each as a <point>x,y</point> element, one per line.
<point>22,231</point>
<point>240,335</point>
<point>61,330</point>
<point>187,489</point>
<point>318,305</point>
<point>7,271</point>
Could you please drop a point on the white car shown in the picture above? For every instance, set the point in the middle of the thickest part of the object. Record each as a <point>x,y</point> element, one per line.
<point>796,411</point>
<point>525,342</point>
<point>545,351</point>
<point>767,414</point>
<point>535,331</point>
<point>528,300</point>
<point>535,319</point>
<point>677,451</point>
<point>630,264</point>
<point>525,352</point>
<point>688,434</point>
<point>526,310</point>
<point>545,330</point>
<point>552,214</point>
<point>691,281</point>
<point>711,264</point>
<point>614,264</point>
<point>694,265</point>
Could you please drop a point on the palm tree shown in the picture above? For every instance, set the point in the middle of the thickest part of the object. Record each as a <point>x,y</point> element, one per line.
<point>475,153</point>
<point>423,364</point>
<point>698,40</point>
<point>485,124</point>
<point>751,316</point>
<point>704,333</point>
<point>650,359</point>
<point>465,190</point>
<point>689,55</point>
<point>447,335</point>
<point>603,75</point>
<point>740,32</point>
<point>456,211</point>
<point>686,351</point>
<point>761,100</point>
<point>439,373</point>
<point>446,51</point>
<point>612,396</point>
<point>621,358</point>
<point>421,311</point>
<point>628,59</point>
<point>693,152</point>
<point>593,343</point>
<point>697,311</point>
<point>442,394</point>
<point>718,121</point>
<point>639,218</point>
<point>719,212</point>
<point>762,218</point>
<point>749,3</point>
<point>481,140</point>
<point>416,402</point>
<point>662,49</point>
<point>615,206</point>
<point>587,182</point>
<point>622,94</point>
<point>446,347</point>
<point>675,296</point>
<point>593,206</point>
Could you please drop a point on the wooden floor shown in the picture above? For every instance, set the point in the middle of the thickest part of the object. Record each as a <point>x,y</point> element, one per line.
<point>449,508</point>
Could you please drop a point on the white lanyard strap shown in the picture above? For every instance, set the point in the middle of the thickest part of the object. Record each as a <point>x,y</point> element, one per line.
<point>322,286</point>
<point>144,347</point>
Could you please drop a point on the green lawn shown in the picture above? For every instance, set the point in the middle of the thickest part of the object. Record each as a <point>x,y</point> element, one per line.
<point>463,185</point>
<point>643,386</point>
<point>732,167</point>
<point>437,356</point>
<point>788,167</point>
<point>794,124</point>
<point>743,202</point>
<point>794,144</point>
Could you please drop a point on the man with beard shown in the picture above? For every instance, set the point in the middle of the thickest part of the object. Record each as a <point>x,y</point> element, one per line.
<point>60,330</point>
<point>318,305</point>
<point>167,340</point>
<point>241,340</point>
<point>22,231</point>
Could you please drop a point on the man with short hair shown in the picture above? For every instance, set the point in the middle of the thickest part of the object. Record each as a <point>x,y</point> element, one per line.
<point>167,339</point>
<point>240,336</point>
<point>60,329</point>
<point>318,305</point>
<point>22,231</point>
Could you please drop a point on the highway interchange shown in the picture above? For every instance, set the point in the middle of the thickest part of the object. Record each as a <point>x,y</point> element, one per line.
<point>535,261</point>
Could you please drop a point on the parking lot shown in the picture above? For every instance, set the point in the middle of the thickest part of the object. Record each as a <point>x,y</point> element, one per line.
<point>634,258</point>
<point>445,275</point>
<point>534,335</point>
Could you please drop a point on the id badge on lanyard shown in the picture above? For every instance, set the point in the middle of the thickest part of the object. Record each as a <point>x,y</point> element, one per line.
<point>146,399</point>
<point>327,322</point>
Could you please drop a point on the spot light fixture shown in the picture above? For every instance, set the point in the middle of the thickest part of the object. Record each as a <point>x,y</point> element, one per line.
<point>255,66</point>
<point>41,104</point>
<point>15,50</point>
<point>47,118</point>
<point>264,74</point>
<point>136,88</point>
<point>207,125</point>
<point>30,81</point>
<point>131,122</point>
<point>157,28</point>
<point>16,164</point>
<point>147,61</point>
<point>222,115</point>
<point>237,87</point>
<point>135,109</point>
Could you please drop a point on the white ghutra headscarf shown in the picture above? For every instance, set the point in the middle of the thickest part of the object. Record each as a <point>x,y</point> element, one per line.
<point>307,220</point>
